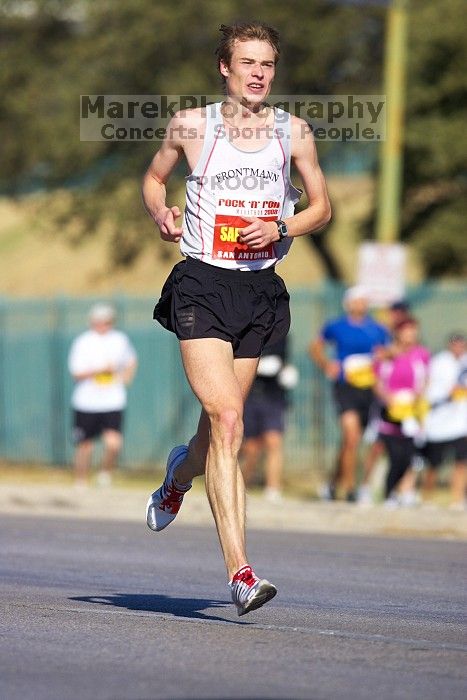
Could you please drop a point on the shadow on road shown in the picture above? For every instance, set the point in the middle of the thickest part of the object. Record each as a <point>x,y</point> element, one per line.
<point>180,607</point>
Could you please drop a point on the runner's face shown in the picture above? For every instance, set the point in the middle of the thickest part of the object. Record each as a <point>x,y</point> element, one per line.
<point>408,334</point>
<point>102,326</point>
<point>357,307</point>
<point>251,71</point>
<point>458,347</point>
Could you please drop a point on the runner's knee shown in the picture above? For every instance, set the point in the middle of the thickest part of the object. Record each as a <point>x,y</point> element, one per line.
<point>227,424</point>
<point>113,441</point>
<point>273,440</point>
<point>85,445</point>
<point>351,439</point>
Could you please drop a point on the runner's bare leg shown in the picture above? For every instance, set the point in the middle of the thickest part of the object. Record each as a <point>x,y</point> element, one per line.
<point>82,460</point>
<point>221,384</point>
<point>250,455</point>
<point>351,435</point>
<point>458,482</point>
<point>113,443</point>
<point>195,463</point>
<point>274,445</point>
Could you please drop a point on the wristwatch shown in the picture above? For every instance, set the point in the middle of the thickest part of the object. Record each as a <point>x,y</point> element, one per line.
<point>282,229</point>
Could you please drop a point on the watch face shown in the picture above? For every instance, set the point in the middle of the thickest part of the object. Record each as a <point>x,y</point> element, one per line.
<point>282,228</point>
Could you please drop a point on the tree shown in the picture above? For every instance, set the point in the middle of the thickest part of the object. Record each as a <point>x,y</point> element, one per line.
<point>435,191</point>
<point>435,148</point>
<point>54,50</point>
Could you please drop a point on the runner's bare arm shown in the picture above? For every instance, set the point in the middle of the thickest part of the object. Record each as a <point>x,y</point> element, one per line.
<point>318,212</point>
<point>128,373</point>
<point>153,189</point>
<point>317,352</point>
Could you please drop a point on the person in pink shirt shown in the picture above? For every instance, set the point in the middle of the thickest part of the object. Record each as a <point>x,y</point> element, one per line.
<point>401,380</point>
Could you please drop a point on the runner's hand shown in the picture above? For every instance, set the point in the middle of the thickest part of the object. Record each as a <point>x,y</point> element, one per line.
<point>165,219</point>
<point>259,233</point>
<point>332,369</point>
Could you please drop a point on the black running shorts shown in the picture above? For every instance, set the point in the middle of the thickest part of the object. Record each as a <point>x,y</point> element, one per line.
<point>351,398</point>
<point>262,414</point>
<point>436,453</point>
<point>245,308</point>
<point>87,426</point>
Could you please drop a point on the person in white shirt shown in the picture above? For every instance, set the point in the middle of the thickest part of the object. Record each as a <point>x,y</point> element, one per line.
<point>446,423</point>
<point>102,362</point>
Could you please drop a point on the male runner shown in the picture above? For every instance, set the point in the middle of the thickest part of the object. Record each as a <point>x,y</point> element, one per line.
<point>225,301</point>
<point>355,336</point>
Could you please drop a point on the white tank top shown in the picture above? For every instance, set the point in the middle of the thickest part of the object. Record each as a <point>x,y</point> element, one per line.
<point>228,183</point>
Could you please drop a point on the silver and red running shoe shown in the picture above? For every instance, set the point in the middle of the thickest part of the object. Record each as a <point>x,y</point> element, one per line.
<point>164,504</point>
<point>249,592</point>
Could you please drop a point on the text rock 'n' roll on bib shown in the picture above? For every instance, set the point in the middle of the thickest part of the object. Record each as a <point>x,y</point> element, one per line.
<point>228,183</point>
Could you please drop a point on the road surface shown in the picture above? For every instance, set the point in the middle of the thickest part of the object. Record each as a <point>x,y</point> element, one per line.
<point>110,611</point>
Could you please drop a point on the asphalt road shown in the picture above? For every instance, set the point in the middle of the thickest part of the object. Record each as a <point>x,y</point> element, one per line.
<point>96,610</point>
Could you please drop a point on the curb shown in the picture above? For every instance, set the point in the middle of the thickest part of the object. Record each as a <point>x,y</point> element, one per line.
<point>123,504</point>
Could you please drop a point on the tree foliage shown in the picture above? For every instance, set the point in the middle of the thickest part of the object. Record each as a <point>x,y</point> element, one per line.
<point>435,162</point>
<point>51,51</point>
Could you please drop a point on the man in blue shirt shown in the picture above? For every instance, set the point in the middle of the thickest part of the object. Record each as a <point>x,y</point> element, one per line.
<point>355,337</point>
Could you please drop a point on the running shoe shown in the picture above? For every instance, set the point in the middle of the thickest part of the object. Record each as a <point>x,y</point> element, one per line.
<point>327,492</point>
<point>273,495</point>
<point>249,592</point>
<point>409,499</point>
<point>364,496</point>
<point>392,502</point>
<point>164,504</point>
<point>104,479</point>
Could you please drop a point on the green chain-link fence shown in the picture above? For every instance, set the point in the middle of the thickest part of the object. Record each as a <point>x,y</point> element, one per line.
<point>35,387</point>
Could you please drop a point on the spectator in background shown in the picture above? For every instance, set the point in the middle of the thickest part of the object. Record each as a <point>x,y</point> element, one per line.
<point>400,387</point>
<point>398,311</point>
<point>446,423</point>
<point>264,418</point>
<point>355,337</point>
<point>102,362</point>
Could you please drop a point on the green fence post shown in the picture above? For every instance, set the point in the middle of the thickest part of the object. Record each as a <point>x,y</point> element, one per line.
<point>59,307</point>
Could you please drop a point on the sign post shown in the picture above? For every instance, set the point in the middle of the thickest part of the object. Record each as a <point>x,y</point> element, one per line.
<point>381,270</point>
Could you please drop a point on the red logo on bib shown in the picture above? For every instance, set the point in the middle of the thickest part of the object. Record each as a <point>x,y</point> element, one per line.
<point>225,243</point>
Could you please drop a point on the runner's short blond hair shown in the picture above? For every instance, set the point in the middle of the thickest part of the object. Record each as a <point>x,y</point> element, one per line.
<point>245,31</point>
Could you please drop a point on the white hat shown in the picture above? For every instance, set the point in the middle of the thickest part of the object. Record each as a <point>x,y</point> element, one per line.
<point>357,292</point>
<point>101,313</point>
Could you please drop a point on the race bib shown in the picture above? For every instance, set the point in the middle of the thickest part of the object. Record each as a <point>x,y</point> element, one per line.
<point>422,408</point>
<point>104,377</point>
<point>228,224</point>
<point>459,394</point>
<point>402,406</point>
<point>358,371</point>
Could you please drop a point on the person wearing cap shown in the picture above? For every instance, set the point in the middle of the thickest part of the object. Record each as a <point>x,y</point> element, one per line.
<point>355,337</point>
<point>446,423</point>
<point>398,311</point>
<point>102,362</point>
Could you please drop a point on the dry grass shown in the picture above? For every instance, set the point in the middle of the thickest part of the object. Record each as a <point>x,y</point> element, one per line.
<point>36,260</point>
<point>45,475</point>
<point>295,484</point>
